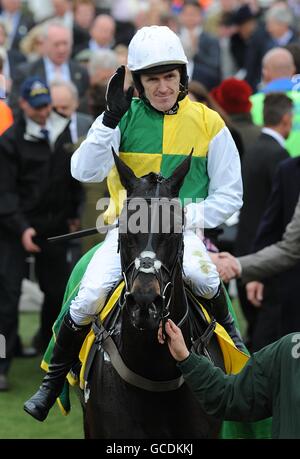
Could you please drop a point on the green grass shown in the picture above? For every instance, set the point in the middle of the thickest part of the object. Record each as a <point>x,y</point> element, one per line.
<point>25,377</point>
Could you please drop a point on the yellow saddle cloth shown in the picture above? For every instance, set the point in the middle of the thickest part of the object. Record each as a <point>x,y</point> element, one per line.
<point>234,359</point>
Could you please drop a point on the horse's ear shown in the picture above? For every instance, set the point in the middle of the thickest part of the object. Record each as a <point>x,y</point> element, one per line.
<point>177,178</point>
<point>127,176</point>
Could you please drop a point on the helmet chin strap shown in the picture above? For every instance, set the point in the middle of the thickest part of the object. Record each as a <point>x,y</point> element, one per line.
<point>173,110</point>
<point>183,91</point>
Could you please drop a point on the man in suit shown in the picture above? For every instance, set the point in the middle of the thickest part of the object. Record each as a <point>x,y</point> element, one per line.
<point>273,259</point>
<point>258,168</point>
<point>17,22</point>
<point>55,64</point>
<point>282,203</point>
<point>102,35</point>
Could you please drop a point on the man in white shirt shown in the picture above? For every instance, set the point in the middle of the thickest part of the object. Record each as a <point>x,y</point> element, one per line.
<point>55,64</point>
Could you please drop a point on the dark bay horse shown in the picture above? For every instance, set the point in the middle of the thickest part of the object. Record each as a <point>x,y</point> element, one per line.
<point>135,389</point>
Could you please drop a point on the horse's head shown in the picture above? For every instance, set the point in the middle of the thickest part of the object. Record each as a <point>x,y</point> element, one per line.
<point>151,241</point>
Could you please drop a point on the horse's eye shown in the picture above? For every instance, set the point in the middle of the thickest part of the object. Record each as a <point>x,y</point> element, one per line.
<point>130,243</point>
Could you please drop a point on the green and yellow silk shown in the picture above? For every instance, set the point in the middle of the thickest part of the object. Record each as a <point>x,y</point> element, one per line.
<point>154,142</point>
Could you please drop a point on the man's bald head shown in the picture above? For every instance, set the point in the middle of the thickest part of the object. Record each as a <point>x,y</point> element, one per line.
<point>277,63</point>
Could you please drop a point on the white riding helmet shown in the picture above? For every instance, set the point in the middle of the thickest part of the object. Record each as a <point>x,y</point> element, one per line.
<point>155,46</point>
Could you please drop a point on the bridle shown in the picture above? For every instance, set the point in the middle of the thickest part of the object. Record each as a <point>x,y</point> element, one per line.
<point>147,262</point>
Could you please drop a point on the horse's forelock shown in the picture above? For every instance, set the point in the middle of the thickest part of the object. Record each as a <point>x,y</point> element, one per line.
<point>147,186</point>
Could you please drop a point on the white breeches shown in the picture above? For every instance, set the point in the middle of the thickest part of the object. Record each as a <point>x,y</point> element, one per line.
<point>104,270</point>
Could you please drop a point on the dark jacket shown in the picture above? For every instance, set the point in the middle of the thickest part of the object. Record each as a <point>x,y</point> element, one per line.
<point>280,209</point>
<point>78,74</point>
<point>277,257</point>
<point>84,123</point>
<point>238,48</point>
<point>268,385</point>
<point>258,168</point>
<point>207,61</point>
<point>24,25</point>
<point>36,186</point>
<point>281,204</point>
<point>248,131</point>
<point>15,58</point>
<point>81,39</point>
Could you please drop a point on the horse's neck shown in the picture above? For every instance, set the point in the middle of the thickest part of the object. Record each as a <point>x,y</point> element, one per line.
<point>141,350</point>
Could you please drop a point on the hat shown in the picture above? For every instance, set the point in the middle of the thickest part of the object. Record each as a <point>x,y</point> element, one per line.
<point>242,15</point>
<point>233,96</point>
<point>36,92</point>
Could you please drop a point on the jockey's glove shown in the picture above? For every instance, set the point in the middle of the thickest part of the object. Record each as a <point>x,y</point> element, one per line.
<point>117,100</point>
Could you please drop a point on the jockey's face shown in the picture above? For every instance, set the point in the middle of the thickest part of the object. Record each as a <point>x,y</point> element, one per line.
<point>162,89</point>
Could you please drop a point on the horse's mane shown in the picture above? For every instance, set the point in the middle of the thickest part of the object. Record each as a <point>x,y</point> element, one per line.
<point>148,185</point>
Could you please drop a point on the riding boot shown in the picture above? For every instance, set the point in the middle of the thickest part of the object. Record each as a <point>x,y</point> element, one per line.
<point>220,311</point>
<point>65,354</point>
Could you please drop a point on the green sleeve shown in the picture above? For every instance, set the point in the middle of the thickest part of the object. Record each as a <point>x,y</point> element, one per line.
<point>242,397</point>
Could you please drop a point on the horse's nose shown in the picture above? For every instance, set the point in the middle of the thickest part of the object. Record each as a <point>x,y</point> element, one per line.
<point>145,289</point>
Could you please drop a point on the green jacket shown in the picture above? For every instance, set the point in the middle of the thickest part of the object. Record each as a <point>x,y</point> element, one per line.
<point>269,384</point>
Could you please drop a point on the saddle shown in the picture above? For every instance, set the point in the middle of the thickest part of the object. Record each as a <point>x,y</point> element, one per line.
<point>105,337</point>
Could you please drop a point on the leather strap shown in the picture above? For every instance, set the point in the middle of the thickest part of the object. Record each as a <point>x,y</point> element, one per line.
<point>104,340</point>
<point>133,378</point>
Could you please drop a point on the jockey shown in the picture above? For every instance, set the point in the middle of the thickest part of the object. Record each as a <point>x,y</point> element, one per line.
<point>151,133</point>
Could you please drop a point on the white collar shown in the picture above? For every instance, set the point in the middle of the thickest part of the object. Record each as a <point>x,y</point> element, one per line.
<point>50,64</point>
<point>276,136</point>
<point>33,129</point>
<point>55,124</point>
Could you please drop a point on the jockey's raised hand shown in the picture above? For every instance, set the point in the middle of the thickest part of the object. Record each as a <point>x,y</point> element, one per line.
<point>117,100</point>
